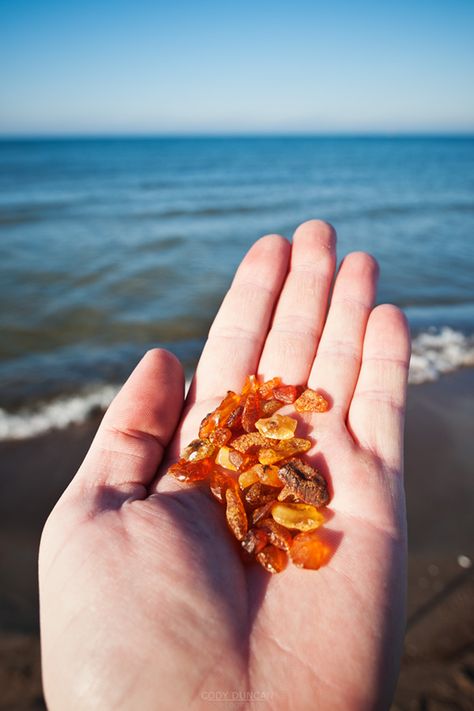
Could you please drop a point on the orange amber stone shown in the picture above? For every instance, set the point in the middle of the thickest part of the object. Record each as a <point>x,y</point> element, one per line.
<point>272,559</point>
<point>262,512</point>
<point>249,477</point>
<point>277,427</point>
<point>250,385</point>
<point>254,541</point>
<point>220,436</point>
<point>245,441</point>
<point>302,517</point>
<point>266,389</point>
<point>235,513</point>
<point>220,415</point>
<point>270,406</point>
<point>286,393</point>
<point>278,535</point>
<point>311,401</point>
<point>268,474</point>
<point>283,450</point>
<point>219,482</point>
<point>223,458</point>
<point>258,494</point>
<point>251,412</point>
<point>191,471</point>
<point>309,551</point>
<point>197,449</point>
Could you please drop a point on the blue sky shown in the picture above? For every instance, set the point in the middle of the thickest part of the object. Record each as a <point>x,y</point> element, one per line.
<point>224,67</point>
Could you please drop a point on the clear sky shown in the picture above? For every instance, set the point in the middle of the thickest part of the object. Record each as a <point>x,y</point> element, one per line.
<point>201,66</point>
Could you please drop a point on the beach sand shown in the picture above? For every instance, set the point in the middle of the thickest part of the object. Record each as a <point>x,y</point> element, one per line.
<point>437,670</point>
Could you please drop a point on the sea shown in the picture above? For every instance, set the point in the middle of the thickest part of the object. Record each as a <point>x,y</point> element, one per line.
<point>111,246</point>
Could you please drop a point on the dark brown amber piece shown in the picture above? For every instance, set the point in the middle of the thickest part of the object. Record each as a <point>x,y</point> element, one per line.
<point>258,494</point>
<point>311,401</point>
<point>286,393</point>
<point>235,513</point>
<point>305,482</point>
<point>254,541</point>
<point>273,559</point>
<point>220,436</point>
<point>219,482</point>
<point>191,471</point>
<point>309,551</point>
<point>278,535</point>
<point>252,412</point>
<point>262,512</point>
<point>266,389</point>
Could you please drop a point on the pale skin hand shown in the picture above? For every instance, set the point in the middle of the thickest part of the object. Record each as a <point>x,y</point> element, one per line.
<point>145,603</point>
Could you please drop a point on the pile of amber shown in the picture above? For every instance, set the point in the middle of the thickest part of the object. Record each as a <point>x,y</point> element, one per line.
<point>255,467</point>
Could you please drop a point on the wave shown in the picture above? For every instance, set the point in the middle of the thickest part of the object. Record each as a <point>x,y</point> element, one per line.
<point>434,353</point>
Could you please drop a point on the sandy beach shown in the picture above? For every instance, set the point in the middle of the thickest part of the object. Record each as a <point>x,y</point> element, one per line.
<point>438,664</point>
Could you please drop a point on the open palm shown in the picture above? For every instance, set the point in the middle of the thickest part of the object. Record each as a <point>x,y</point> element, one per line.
<point>145,602</point>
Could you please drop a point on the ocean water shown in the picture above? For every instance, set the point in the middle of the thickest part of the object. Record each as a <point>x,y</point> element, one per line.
<point>108,247</point>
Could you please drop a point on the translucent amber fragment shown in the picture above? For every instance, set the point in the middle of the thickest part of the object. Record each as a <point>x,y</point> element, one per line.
<point>311,401</point>
<point>258,495</point>
<point>234,419</point>
<point>268,407</point>
<point>250,385</point>
<point>308,551</point>
<point>248,477</point>
<point>278,535</point>
<point>197,449</point>
<point>223,458</point>
<point>191,471</point>
<point>283,450</point>
<point>268,474</point>
<point>273,559</point>
<point>251,412</point>
<point>254,541</point>
<point>246,441</point>
<point>220,436</point>
<point>277,427</point>
<point>219,482</point>
<point>305,482</point>
<point>235,513</point>
<point>266,390</point>
<point>220,415</point>
<point>286,393</point>
<point>262,512</point>
<point>302,517</point>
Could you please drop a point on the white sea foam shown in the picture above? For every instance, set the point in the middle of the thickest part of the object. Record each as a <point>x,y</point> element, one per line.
<point>439,351</point>
<point>434,353</point>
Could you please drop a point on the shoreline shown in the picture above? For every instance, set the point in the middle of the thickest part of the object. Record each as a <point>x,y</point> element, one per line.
<point>438,662</point>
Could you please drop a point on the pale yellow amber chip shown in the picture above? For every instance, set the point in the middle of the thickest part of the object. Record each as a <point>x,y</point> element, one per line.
<point>302,517</point>
<point>248,478</point>
<point>223,459</point>
<point>277,426</point>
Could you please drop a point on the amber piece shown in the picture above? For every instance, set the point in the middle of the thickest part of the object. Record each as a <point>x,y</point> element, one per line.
<point>305,482</point>
<point>234,420</point>
<point>235,513</point>
<point>197,449</point>
<point>278,535</point>
<point>250,385</point>
<point>220,415</point>
<point>286,494</point>
<point>266,389</point>
<point>311,401</point>
<point>259,494</point>
<point>277,427</point>
<point>223,458</point>
<point>219,482</point>
<point>249,477</point>
<point>262,512</point>
<point>286,394</point>
<point>220,436</point>
<point>283,450</point>
<point>273,559</point>
<point>309,551</point>
<point>302,517</point>
<point>268,474</point>
<point>191,471</point>
<point>251,412</point>
<point>269,407</point>
<point>254,541</point>
<point>246,441</point>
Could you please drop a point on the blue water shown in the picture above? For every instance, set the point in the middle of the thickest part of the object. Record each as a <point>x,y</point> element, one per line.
<point>110,246</point>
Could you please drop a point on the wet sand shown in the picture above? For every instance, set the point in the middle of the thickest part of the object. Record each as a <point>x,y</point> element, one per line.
<point>438,664</point>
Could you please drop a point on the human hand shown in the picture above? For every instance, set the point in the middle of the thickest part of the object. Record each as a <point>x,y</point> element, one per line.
<point>145,603</point>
